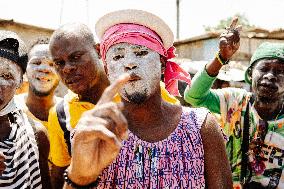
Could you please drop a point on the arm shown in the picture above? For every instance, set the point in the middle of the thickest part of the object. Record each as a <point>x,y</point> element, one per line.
<point>2,164</point>
<point>217,169</point>
<point>97,140</point>
<point>43,148</point>
<point>199,93</point>
<point>57,176</point>
<point>59,155</point>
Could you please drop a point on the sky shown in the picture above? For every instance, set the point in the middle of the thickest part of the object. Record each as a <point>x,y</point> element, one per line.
<point>194,14</point>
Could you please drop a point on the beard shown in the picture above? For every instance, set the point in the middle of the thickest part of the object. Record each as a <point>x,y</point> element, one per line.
<point>137,97</point>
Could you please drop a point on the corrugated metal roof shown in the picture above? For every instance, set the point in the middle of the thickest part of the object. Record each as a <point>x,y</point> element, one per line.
<point>234,71</point>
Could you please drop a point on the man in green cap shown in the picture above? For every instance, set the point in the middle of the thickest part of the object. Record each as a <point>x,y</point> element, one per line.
<point>253,121</point>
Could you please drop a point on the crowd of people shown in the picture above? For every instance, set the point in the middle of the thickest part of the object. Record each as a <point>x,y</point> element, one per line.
<point>120,126</point>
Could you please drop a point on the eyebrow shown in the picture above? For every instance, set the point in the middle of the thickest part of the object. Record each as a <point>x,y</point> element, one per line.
<point>139,47</point>
<point>119,49</point>
<point>35,59</point>
<point>77,52</point>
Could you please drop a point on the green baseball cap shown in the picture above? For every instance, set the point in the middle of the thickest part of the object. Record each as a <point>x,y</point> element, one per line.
<point>266,50</point>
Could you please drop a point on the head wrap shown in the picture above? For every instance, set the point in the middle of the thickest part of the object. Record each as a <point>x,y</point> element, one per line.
<point>141,35</point>
<point>13,48</point>
<point>265,50</point>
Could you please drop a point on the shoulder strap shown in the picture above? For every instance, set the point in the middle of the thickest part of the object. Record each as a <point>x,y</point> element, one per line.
<point>62,122</point>
<point>245,142</point>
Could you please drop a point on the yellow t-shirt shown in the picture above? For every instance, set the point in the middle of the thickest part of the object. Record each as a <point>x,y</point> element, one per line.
<point>73,108</point>
<point>21,103</point>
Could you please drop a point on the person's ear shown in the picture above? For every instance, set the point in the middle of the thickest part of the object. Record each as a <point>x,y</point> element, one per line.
<point>250,73</point>
<point>163,63</point>
<point>97,48</point>
<point>19,85</point>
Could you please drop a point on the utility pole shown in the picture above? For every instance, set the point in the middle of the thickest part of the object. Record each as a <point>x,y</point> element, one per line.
<point>61,12</point>
<point>87,12</point>
<point>177,6</point>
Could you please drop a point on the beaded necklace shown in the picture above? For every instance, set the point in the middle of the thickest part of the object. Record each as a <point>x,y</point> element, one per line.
<point>257,143</point>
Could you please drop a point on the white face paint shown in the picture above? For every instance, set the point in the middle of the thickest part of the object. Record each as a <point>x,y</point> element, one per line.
<point>10,79</point>
<point>142,63</point>
<point>41,73</point>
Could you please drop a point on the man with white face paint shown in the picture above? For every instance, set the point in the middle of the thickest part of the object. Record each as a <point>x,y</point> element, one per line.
<point>168,146</point>
<point>20,143</point>
<point>136,60</point>
<point>43,81</point>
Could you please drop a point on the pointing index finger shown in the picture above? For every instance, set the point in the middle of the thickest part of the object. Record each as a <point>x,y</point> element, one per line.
<point>113,89</point>
<point>234,23</point>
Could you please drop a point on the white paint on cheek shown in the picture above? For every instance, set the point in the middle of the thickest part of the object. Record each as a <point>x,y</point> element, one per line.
<point>255,77</point>
<point>10,76</point>
<point>36,72</point>
<point>148,68</point>
<point>9,67</point>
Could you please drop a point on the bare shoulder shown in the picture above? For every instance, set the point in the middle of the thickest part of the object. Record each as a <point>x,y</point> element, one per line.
<point>173,109</point>
<point>40,131</point>
<point>210,127</point>
<point>217,167</point>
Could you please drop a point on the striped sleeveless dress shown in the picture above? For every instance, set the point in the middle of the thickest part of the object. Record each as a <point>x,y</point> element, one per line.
<point>21,155</point>
<point>175,162</point>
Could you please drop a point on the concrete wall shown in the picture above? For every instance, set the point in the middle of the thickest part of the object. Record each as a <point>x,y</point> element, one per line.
<point>29,34</point>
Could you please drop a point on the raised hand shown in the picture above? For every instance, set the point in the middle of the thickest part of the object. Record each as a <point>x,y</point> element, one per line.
<point>98,137</point>
<point>2,164</point>
<point>229,41</point>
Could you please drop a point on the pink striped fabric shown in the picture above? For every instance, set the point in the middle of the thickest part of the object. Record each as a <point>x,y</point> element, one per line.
<point>175,162</point>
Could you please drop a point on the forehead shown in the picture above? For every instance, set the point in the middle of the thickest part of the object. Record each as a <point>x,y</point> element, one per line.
<point>40,50</point>
<point>69,43</point>
<point>9,66</point>
<point>270,63</point>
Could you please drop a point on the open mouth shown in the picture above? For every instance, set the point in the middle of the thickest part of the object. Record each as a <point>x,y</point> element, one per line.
<point>43,79</point>
<point>268,88</point>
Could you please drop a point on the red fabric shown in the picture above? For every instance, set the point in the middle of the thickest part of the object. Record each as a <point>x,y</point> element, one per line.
<point>141,35</point>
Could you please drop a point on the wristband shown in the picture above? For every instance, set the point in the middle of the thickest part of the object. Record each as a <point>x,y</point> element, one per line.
<point>76,186</point>
<point>221,59</point>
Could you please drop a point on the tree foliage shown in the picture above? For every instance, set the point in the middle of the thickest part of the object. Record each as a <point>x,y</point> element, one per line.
<point>226,22</point>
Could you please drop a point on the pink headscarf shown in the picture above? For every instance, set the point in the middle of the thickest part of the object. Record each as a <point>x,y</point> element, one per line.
<point>141,35</point>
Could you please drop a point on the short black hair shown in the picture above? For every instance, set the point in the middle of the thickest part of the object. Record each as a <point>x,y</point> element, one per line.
<point>40,41</point>
<point>74,29</point>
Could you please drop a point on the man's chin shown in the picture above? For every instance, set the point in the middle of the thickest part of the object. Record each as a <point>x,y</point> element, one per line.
<point>42,92</point>
<point>268,98</point>
<point>136,98</point>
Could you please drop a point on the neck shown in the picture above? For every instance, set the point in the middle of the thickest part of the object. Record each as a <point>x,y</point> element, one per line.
<point>5,127</point>
<point>94,93</point>
<point>154,119</point>
<point>39,105</point>
<point>140,116</point>
<point>268,110</point>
